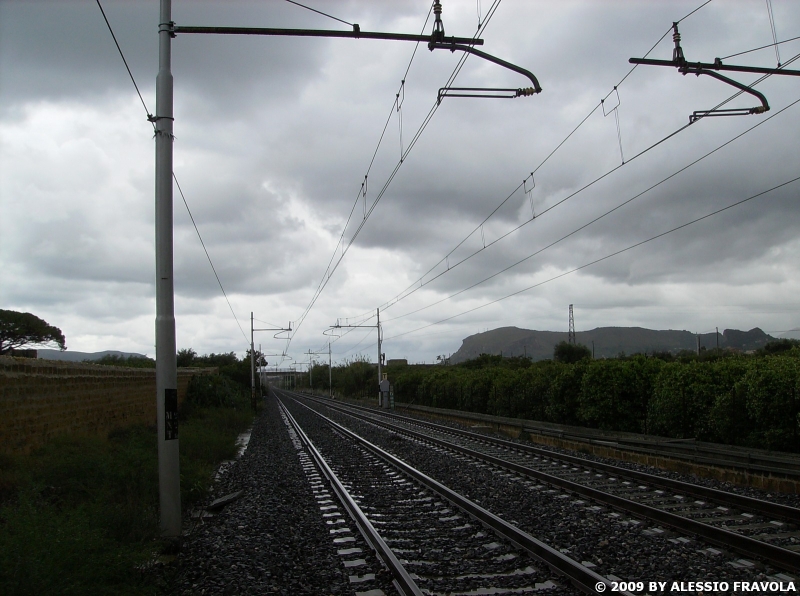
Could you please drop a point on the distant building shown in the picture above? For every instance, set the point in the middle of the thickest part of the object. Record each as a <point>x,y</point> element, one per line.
<point>24,353</point>
<point>397,362</point>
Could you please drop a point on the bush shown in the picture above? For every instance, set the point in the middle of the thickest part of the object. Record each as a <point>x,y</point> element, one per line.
<point>772,402</point>
<point>615,393</point>
<point>565,390</point>
<point>571,353</point>
<point>130,361</point>
<point>213,391</point>
<point>685,395</point>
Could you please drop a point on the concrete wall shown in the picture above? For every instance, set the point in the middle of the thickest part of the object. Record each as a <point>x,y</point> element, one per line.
<point>41,399</point>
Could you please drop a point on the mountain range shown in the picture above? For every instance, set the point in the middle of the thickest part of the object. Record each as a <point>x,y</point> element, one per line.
<point>605,342</point>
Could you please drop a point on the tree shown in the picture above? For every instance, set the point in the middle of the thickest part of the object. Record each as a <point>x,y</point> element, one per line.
<point>570,353</point>
<point>186,357</point>
<point>18,329</point>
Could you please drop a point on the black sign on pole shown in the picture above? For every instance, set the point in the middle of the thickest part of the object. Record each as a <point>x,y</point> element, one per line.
<point>171,414</point>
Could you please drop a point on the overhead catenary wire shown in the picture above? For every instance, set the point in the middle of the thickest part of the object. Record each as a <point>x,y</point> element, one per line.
<point>125,62</point>
<point>601,259</point>
<point>769,45</point>
<point>419,283</point>
<point>208,256</point>
<point>416,137</point>
<point>774,32</point>
<point>434,108</point>
<point>601,216</point>
<point>344,248</point>
<point>412,287</point>
<point>325,14</point>
<point>340,244</point>
<point>174,177</point>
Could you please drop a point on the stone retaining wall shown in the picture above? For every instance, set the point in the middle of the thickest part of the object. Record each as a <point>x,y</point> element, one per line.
<point>41,399</point>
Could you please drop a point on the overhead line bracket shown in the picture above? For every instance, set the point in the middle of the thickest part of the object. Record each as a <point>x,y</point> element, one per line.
<point>489,92</point>
<point>704,68</point>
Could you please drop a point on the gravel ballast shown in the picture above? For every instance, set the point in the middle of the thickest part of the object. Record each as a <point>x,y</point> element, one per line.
<point>272,540</point>
<point>615,544</point>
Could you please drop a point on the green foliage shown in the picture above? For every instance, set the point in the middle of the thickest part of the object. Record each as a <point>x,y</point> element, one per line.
<point>482,361</point>
<point>130,361</point>
<point>732,423</point>
<point>80,516</point>
<point>772,387</point>
<point>319,376</point>
<point>18,329</point>
<point>720,396</point>
<point>213,391</point>
<point>186,357</point>
<point>356,378</point>
<point>212,359</point>
<point>615,393</point>
<point>206,439</point>
<point>229,366</point>
<point>535,383</point>
<point>565,390</point>
<point>782,345</point>
<point>570,353</point>
<point>685,394</point>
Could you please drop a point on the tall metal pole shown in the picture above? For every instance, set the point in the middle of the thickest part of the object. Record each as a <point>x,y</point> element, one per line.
<point>252,366</point>
<point>380,378</point>
<point>330,374</point>
<point>166,363</point>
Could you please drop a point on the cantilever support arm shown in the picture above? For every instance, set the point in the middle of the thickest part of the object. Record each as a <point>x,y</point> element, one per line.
<point>355,34</point>
<point>764,107</point>
<point>470,50</point>
<point>716,65</point>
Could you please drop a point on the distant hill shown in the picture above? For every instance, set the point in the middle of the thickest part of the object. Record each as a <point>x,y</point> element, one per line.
<point>793,334</point>
<point>608,341</point>
<point>81,356</point>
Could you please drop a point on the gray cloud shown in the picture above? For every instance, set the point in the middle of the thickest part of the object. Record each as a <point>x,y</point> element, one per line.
<point>274,137</point>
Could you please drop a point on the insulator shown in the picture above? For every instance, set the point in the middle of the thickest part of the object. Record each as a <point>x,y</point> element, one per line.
<point>437,8</point>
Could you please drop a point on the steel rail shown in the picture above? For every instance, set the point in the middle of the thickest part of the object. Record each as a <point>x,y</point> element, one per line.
<point>581,576</point>
<point>690,452</point>
<point>781,557</point>
<point>766,508</point>
<point>402,579</point>
<point>731,457</point>
<point>685,449</point>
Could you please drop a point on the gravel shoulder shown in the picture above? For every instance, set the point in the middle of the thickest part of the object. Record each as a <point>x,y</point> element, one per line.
<point>271,541</point>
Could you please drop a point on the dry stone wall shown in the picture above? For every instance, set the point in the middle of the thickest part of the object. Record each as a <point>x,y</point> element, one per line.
<point>41,399</point>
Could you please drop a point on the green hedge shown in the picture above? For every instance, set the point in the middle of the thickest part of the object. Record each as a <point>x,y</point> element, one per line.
<point>748,400</point>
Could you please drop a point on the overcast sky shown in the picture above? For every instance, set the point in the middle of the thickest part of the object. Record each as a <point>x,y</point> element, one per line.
<point>274,137</point>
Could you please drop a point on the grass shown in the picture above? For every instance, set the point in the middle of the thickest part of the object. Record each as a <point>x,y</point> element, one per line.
<point>80,515</point>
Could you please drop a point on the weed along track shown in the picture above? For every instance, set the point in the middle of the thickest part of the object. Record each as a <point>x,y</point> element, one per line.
<point>618,522</point>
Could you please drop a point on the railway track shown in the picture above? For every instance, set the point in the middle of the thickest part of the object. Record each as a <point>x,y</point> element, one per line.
<point>758,529</point>
<point>744,461</point>
<point>431,538</point>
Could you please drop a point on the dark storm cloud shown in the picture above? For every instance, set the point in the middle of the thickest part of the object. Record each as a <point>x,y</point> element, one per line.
<point>274,137</point>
